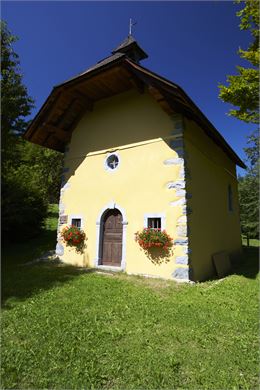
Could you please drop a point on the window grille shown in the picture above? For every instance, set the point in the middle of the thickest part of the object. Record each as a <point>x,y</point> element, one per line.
<point>154,223</point>
<point>76,222</point>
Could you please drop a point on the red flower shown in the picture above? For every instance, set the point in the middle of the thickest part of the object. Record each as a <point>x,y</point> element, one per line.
<point>73,236</point>
<point>148,238</point>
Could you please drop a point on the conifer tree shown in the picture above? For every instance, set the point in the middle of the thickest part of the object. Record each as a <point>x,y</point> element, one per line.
<point>248,186</point>
<point>16,105</point>
<point>242,92</point>
<point>30,174</point>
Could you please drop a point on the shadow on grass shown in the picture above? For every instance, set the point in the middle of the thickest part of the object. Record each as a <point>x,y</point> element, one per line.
<point>23,282</point>
<point>28,250</point>
<point>248,265</point>
<point>20,281</point>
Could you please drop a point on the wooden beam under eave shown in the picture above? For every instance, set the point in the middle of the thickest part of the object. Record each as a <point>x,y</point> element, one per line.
<point>38,137</point>
<point>61,122</point>
<point>54,143</point>
<point>76,121</point>
<point>60,104</point>
<point>57,105</point>
<point>62,135</point>
<point>136,83</point>
<point>80,97</point>
<point>134,80</point>
<point>161,100</point>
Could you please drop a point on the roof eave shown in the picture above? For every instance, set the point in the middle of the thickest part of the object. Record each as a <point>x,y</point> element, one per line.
<point>67,83</point>
<point>227,148</point>
<point>92,72</point>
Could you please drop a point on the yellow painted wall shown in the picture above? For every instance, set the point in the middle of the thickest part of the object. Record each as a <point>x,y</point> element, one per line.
<point>134,126</point>
<point>212,227</point>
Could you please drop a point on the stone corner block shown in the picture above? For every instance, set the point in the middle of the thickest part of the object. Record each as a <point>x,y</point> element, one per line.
<point>182,219</point>
<point>181,241</point>
<point>182,230</point>
<point>181,273</point>
<point>178,184</point>
<point>59,249</point>
<point>173,161</point>
<point>66,185</point>
<point>180,193</point>
<point>179,202</point>
<point>182,260</point>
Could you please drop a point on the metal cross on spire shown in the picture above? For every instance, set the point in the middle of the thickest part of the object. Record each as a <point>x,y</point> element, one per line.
<point>131,24</point>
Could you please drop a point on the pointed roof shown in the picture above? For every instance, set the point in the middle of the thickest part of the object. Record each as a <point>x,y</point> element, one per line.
<point>131,48</point>
<point>52,127</point>
<point>128,48</point>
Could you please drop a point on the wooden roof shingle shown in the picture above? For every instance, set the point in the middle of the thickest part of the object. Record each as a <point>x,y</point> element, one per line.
<point>69,101</point>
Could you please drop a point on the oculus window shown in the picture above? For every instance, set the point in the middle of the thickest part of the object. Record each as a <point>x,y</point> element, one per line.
<point>112,161</point>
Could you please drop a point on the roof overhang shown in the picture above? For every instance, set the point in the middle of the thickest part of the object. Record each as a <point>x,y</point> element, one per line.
<point>68,102</point>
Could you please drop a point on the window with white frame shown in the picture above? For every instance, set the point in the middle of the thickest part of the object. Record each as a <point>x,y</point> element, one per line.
<point>76,222</point>
<point>154,221</point>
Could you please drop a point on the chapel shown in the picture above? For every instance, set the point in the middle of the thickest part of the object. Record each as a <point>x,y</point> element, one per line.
<point>139,154</point>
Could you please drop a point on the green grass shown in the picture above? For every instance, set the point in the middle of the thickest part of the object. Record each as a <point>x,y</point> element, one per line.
<point>252,242</point>
<point>68,329</point>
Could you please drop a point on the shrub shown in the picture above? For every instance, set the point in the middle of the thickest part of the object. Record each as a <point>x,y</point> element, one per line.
<point>23,208</point>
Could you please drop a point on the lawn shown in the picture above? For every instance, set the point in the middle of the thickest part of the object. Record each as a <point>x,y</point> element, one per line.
<point>64,328</point>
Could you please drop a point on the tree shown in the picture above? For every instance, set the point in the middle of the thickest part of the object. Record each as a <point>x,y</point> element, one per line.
<point>46,166</point>
<point>242,90</point>
<point>30,174</point>
<point>16,105</point>
<point>252,152</point>
<point>248,186</point>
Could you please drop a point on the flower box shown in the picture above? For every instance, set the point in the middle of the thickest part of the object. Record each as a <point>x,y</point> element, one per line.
<point>74,237</point>
<point>154,238</point>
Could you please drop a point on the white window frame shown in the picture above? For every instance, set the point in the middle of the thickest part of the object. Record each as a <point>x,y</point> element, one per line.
<point>77,216</point>
<point>155,215</point>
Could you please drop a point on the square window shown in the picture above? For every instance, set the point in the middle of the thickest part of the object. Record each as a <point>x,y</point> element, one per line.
<point>76,222</point>
<point>154,223</point>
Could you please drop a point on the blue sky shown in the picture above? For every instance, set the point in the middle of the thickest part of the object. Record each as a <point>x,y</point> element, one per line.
<point>192,43</point>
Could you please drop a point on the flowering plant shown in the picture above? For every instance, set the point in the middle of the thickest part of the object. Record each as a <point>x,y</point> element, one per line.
<point>152,238</point>
<point>74,236</point>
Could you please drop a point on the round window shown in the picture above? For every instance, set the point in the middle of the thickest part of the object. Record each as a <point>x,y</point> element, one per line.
<point>112,161</point>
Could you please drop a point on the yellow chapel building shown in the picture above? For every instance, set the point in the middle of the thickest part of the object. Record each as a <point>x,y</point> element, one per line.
<point>139,153</point>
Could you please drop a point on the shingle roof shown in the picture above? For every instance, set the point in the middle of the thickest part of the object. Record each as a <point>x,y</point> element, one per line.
<point>131,48</point>
<point>99,64</point>
<point>170,91</point>
<point>126,42</point>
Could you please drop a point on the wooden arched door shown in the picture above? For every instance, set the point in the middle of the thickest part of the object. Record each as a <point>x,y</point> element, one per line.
<point>112,238</point>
